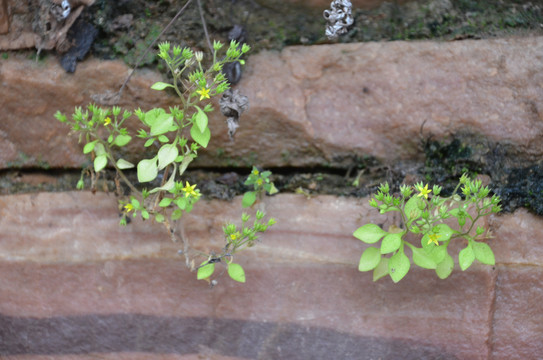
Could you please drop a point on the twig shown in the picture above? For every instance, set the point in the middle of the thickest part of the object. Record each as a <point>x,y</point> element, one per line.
<point>151,45</point>
<point>204,25</point>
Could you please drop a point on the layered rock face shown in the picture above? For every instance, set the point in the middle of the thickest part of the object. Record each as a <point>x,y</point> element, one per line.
<point>326,103</point>
<point>74,282</point>
<point>76,285</point>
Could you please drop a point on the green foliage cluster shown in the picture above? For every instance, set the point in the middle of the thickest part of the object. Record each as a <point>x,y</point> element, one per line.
<point>236,239</point>
<point>423,213</point>
<point>173,136</point>
<point>245,236</point>
<point>260,181</point>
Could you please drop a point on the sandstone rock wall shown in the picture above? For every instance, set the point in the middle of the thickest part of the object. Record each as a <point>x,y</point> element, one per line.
<point>75,285</point>
<point>74,282</point>
<point>326,103</point>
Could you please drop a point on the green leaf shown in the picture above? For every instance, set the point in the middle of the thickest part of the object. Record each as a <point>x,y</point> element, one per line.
<point>100,162</point>
<point>370,259</point>
<point>89,147</point>
<point>135,202</point>
<point>412,209</point>
<point>163,139</point>
<point>149,142</point>
<point>369,233</point>
<point>166,155</point>
<point>202,138</point>
<point>181,203</point>
<point>437,253</point>
<point>391,243</point>
<point>159,218</point>
<point>162,124</point>
<point>422,259</point>
<point>99,149</point>
<point>145,214</point>
<point>122,140</point>
<point>123,164</point>
<point>444,232</point>
<point>483,253</point>
<point>168,185</point>
<point>466,257</point>
<point>160,85</point>
<point>273,189</point>
<point>454,212</point>
<point>381,270</point>
<point>185,163</point>
<point>445,268</point>
<point>165,202</point>
<point>147,170</point>
<point>249,199</point>
<point>236,272</point>
<point>200,119</point>
<point>398,266</point>
<point>205,271</point>
<point>176,214</point>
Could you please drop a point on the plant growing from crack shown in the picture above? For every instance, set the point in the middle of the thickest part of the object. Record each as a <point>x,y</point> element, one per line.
<point>422,213</point>
<point>174,138</point>
<point>246,235</point>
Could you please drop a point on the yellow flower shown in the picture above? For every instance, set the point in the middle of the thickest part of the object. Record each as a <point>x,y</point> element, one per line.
<point>204,93</point>
<point>423,190</point>
<point>259,182</point>
<point>129,207</point>
<point>189,190</point>
<point>107,121</point>
<point>433,239</point>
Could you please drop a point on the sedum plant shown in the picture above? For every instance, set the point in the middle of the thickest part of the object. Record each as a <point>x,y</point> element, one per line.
<point>173,138</point>
<point>423,212</point>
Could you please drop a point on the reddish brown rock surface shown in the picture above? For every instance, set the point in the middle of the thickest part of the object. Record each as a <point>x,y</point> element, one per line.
<point>29,24</point>
<point>326,103</point>
<point>74,282</point>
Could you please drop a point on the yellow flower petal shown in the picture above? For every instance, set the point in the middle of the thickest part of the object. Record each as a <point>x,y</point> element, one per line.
<point>424,191</point>
<point>433,239</point>
<point>204,93</point>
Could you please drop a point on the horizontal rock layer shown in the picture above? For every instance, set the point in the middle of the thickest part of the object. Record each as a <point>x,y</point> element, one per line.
<point>328,104</point>
<point>74,282</point>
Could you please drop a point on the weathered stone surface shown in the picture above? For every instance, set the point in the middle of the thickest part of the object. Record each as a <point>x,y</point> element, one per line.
<point>154,306</point>
<point>35,24</point>
<point>66,264</point>
<point>320,5</point>
<point>32,92</point>
<point>4,17</point>
<point>518,315</point>
<point>325,103</point>
<point>517,238</point>
<point>72,225</point>
<point>374,97</point>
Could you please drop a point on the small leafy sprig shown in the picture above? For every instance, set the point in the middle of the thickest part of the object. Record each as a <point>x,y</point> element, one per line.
<point>236,239</point>
<point>173,139</point>
<point>163,130</point>
<point>423,212</point>
<point>261,183</point>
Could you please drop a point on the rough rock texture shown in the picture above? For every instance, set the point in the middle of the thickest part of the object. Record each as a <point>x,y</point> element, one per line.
<point>4,17</point>
<point>320,5</point>
<point>33,92</point>
<point>73,282</point>
<point>36,23</point>
<point>326,103</point>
